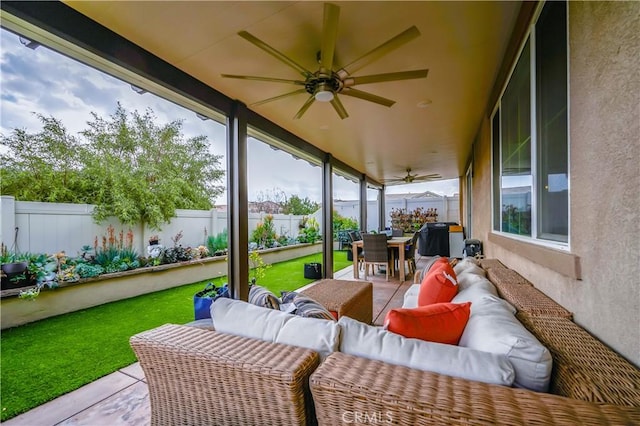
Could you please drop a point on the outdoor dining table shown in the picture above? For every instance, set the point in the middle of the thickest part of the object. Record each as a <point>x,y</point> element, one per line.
<point>394,242</point>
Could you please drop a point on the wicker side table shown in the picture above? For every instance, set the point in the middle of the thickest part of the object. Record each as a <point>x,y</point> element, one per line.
<point>344,298</point>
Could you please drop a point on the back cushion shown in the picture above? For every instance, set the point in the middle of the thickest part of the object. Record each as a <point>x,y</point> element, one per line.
<point>473,293</point>
<point>411,296</point>
<point>371,342</point>
<point>439,322</point>
<point>470,265</point>
<point>245,319</point>
<point>439,285</point>
<point>492,327</point>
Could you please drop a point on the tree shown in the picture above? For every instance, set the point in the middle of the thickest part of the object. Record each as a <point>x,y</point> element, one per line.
<point>43,166</point>
<point>300,206</point>
<point>143,172</point>
<point>270,201</point>
<point>341,223</point>
<point>127,165</point>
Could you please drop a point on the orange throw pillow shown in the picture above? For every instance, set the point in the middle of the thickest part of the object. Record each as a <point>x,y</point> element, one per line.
<point>439,285</point>
<point>440,322</point>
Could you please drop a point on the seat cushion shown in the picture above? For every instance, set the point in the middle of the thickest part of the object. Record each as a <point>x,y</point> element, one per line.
<point>371,342</point>
<point>439,322</point>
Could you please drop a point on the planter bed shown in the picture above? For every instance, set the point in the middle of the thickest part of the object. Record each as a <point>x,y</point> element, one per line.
<point>88,292</point>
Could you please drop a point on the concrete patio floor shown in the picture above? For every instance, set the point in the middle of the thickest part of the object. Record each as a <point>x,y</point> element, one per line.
<point>122,398</point>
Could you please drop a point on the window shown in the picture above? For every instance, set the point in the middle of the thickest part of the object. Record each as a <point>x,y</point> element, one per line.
<point>530,138</point>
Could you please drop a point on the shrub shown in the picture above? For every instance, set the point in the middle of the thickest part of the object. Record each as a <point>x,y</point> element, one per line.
<point>341,223</point>
<point>217,244</point>
<point>87,270</point>
<point>310,233</point>
<point>264,234</point>
<point>116,253</point>
<point>177,253</point>
<point>413,220</point>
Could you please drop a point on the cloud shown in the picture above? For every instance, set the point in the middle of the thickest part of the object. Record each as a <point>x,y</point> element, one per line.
<point>45,82</point>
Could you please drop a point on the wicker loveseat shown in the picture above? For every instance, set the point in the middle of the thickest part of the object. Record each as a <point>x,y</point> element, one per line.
<point>198,376</point>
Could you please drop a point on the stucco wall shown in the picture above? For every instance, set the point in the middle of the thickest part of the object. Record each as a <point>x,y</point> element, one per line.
<point>604,115</point>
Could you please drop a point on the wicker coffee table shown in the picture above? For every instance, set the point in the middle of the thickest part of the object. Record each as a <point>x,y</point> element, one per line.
<point>344,298</point>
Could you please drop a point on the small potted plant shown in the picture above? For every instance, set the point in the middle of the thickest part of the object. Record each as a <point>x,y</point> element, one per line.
<point>13,268</point>
<point>153,240</point>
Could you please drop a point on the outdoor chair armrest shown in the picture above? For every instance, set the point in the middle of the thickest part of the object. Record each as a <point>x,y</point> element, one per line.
<point>203,377</point>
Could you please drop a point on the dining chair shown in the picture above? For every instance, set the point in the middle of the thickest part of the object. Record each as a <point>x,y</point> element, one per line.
<point>375,252</point>
<point>410,253</point>
<point>355,236</point>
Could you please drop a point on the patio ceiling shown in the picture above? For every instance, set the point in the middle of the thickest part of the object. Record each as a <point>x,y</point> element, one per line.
<point>461,43</point>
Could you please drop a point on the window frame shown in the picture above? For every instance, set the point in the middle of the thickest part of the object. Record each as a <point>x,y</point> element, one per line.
<point>496,172</point>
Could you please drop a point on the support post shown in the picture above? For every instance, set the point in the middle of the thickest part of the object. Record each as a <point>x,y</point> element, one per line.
<point>381,205</point>
<point>327,217</point>
<point>363,203</point>
<point>238,209</point>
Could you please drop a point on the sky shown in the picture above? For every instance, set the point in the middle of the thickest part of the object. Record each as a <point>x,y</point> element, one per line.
<point>44,82</point>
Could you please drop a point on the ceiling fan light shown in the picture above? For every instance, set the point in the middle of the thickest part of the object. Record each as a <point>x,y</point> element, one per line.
<point>324,96</point>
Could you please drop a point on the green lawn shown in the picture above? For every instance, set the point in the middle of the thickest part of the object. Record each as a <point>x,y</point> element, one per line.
<point>45,359</point>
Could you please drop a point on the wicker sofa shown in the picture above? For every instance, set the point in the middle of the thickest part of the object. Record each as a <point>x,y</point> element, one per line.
<point>198,376</point>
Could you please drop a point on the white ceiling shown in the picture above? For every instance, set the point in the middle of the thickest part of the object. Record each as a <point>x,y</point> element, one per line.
<point>461,43</point>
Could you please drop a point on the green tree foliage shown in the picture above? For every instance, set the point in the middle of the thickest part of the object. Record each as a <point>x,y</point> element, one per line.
<point>300,206</point>
<point>341,223</point>
<point>129,166</point>
<point>43,166</point>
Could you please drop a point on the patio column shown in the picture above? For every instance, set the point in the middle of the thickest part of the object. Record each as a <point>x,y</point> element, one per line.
<point>327,217</point>
<point>238,209</point>
<point>382,208</point>
<point>363,203</point>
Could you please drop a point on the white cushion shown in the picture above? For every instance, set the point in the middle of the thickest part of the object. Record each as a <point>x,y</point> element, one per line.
<point>492,327</point>
<point>411,296</point>
<point>473,293</point>
<point>247,320</point>
<point>370,342</point>
<point>470,265</point>
<point>321,335</point>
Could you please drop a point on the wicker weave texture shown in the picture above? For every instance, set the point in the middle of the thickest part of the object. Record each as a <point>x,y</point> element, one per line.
<point>487,264</point>
<point>201,377</point>
<point>518,291</point>
<point>345,388</point>
<point>584,368</point>
<point>505,276</point>
<point>348,298</point>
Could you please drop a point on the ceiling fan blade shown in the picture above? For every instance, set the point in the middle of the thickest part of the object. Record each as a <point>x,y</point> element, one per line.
<point>269,79</point>
<point>432,176</point>
<point>386,47</point>
<point>329,36</point>
<point>337,105</point>
<point>381,78</point>
<point>278,55</point>
<point>305,107</point>
<point>350,91</point>
<point>275,98</point>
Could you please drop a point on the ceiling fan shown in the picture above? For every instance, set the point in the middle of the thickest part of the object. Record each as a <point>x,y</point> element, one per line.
<point>325,84</point>
<point>409,178</point>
